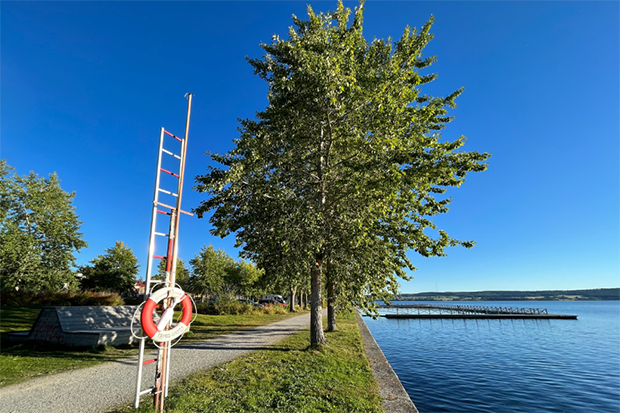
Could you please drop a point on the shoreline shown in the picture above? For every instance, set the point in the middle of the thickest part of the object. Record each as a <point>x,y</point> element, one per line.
<point>395,398</point>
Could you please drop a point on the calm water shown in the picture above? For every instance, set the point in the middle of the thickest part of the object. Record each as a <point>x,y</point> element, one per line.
<point>498,366</point>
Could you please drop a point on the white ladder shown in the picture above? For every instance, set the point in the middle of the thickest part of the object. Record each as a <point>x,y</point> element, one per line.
<point>160,388</point>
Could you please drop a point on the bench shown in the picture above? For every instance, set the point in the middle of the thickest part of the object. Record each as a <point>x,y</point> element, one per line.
<point>78,326</point>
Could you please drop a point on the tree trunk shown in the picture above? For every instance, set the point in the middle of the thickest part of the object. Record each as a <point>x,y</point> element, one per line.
<point>316,310</point>
<point>292,302</point>
<point>331,304</point>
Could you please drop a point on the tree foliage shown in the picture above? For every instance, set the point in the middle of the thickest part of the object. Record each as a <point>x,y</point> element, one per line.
<point>114,271</point>
<point>39,232</point>
<point>346,166</point>
<point>182,274</point>
<point>242,277</point>
<point>208,269</point>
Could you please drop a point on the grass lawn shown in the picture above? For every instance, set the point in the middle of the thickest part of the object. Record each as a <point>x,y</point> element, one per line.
<point>28,360</point>
<point>288,377</point>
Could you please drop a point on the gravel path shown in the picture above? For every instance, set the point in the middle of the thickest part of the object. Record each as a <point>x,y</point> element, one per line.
<point>100,388</point>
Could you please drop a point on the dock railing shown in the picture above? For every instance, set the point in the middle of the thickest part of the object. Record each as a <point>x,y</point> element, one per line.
<point>459,309</point>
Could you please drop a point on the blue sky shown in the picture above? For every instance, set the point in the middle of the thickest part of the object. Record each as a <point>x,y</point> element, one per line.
<point>85,87</point>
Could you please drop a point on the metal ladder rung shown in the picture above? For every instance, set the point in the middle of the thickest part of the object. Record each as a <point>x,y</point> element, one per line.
<point>170,153</point>
<point>168,172</point>
<point>167,192</point>
<point>166,206</point>
<point>175,137</point>
<point>149,390</point>
<point>172,208</point>
<point>161,234</point>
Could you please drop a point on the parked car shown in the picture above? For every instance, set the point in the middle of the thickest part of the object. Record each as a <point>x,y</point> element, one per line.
<point>248,301</point>
<point>276,297</point>
<point>272,301</point>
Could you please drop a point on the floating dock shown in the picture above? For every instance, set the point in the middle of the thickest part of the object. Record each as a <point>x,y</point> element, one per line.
<point>429,311</point>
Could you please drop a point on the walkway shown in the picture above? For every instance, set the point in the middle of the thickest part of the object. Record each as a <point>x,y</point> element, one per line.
<point>100,388</point>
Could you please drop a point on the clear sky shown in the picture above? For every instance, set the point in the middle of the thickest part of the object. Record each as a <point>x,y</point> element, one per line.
<point>85,87</point>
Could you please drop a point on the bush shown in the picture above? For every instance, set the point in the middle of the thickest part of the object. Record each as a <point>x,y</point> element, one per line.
<point>227,307</point>
<point>274,309</point>
<point>206,308</point>
<point>88,298</point>
<point>133,300</point>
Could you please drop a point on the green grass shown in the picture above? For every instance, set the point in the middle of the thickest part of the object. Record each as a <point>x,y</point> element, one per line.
<point>21,362</point>
<point>209,326</point>
<point>288,377</point>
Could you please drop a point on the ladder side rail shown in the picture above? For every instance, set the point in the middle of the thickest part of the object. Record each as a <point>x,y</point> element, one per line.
<point>136,402</point>
<point>149,264</point>
<point>163,353</point>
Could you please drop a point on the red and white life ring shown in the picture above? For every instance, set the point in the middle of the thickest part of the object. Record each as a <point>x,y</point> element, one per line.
<point>152,330</point>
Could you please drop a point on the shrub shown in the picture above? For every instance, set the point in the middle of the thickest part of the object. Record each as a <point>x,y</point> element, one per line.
<point>206,308</point>
<point>226,307</point>
<point>274,309</point>
<point>88,298</point>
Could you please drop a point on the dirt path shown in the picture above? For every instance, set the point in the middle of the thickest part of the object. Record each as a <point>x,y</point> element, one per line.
<point>100,388</point>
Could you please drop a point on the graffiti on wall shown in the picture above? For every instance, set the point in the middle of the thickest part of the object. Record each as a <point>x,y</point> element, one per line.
<point>45,331</point>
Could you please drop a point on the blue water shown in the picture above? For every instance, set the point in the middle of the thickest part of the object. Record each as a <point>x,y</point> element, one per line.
<point>502,366</point>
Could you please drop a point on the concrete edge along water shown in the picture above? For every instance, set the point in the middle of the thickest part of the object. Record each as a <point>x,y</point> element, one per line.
<point>394,396</point>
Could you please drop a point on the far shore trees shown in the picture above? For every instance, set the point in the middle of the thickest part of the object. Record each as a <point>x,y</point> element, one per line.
<point>343,170</point>
<point>39,233</point>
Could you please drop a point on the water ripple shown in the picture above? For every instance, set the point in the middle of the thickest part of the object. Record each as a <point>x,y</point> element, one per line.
<point>509,366</point>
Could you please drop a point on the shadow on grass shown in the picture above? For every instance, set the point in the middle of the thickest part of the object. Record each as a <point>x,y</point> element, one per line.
<point>39,349</point>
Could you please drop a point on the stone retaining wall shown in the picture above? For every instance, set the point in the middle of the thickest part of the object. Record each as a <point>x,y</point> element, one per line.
<point>395,398</point>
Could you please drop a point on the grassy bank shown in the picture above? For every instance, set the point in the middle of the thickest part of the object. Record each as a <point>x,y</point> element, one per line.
<point>288,377</point>
<point>22,362</point>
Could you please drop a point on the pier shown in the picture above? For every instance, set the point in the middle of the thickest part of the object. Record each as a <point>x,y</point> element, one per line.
<point>467,311</point>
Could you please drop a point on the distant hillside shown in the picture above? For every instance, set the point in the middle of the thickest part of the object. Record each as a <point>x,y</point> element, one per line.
<point>548,295</point>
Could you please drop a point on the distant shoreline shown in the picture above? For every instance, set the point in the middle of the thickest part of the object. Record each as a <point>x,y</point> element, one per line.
<point>600,294</point>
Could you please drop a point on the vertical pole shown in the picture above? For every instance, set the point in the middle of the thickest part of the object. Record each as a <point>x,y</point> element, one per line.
<point>181,178</point>
<point>178,215</point>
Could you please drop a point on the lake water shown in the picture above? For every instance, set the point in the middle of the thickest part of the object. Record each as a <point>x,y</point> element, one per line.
<point>502,366</point>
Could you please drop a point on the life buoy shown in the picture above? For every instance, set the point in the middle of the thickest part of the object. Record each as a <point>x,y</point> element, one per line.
<point>152,330</point>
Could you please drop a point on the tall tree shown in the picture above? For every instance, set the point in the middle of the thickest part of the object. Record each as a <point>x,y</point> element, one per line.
<point>39,232</point>
<point>182,273</point>
<point>242,275</point>
<point>346,158</point>
<point>115,271</point>
<point>208,269</point>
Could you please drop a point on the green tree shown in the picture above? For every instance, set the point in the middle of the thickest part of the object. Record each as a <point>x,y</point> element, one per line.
<point>115,271</point>
<point>181,276</point>
<point>346,164</point>
<point>242,275</point>
<point>209,267</point>
<point>39,232</point>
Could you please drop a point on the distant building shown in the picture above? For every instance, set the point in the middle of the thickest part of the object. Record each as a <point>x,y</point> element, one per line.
<point>139,287</point>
